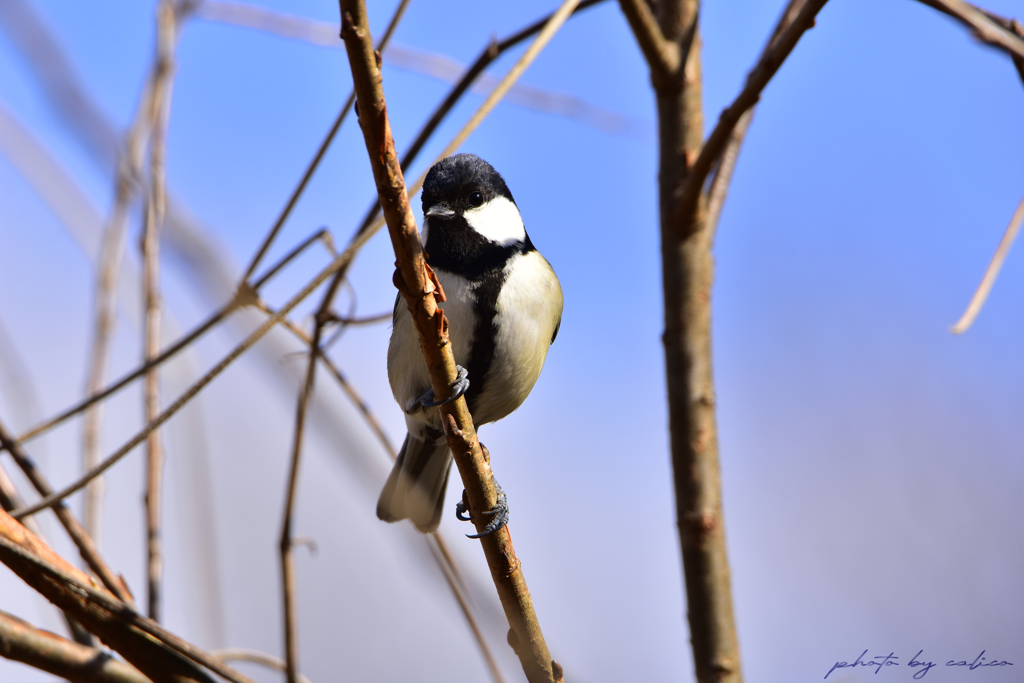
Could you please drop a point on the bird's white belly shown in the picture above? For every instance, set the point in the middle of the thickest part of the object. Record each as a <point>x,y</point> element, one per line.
<point>529,308</point>
<point>407,371</point>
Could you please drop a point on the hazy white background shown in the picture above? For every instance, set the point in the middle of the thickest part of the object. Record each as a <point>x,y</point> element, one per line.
<point>872,462</point>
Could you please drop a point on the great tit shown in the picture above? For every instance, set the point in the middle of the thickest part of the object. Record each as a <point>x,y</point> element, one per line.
<point>504,307</point>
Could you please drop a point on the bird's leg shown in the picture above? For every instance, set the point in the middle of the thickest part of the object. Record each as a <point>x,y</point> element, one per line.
<point>499,513</point>
<point>459,387</point>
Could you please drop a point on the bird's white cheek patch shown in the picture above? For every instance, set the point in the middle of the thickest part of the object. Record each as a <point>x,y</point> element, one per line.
<point>498,220</point>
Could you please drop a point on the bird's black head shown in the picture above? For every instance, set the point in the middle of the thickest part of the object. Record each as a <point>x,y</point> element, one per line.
<point>471,222</point>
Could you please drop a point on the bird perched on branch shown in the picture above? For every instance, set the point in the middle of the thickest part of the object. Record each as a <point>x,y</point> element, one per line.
<point>504,306</point>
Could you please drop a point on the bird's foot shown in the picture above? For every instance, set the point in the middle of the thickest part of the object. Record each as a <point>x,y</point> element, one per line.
<point>459,387</point>
<point>499,513</point>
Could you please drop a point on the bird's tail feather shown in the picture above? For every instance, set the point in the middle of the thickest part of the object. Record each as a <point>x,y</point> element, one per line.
<point>415,489</point>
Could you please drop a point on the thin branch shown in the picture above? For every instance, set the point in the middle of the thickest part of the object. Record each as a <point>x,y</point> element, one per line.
<point>771,59</point>
<point>245,296</point>
<point>340,262</point>
<point>78,534</point>
<point>418,286</point>
<point>988,28</point>
<point>209,10</point>
<point>286,541</point>
<point>156,211</point>
<point>291,639</point>
<point>22,642</point>
<point>441,557</point>
<point>129,169</point>
<point>978,300</point>
<point>239,654</point>
<point>158,654</point>
<point>722,177</point>
<point>491,52</point>
<point>663,56</point>
<point>723,174</point>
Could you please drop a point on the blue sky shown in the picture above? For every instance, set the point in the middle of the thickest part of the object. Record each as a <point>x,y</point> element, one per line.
<point>871,460</point>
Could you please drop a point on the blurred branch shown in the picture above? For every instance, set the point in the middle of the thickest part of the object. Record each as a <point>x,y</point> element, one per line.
<point>60,82</point>
<point>239,654</point>
<point>22,642</point>
<point>340,262</point>
<point>245,296</point>
<point>78,534</point>
<point>992,29</point>
<point>981,294</point>
<point>155,652</point>
<point>426,63</point>
<point>156,211</point>
<point>418,286</point>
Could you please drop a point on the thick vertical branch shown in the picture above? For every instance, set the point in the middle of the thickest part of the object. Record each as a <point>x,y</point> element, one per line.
<point>419,288</point>
<point>156,210</point>
<point>687,277</point>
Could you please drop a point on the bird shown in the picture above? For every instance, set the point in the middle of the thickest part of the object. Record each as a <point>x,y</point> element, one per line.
<point>504,307</point>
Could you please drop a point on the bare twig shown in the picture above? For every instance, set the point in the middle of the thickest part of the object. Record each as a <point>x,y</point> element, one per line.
<point>722,177</point>
<point>244,296</point>
<point>78,534</point>
<point>981,294</point>
<point>723,174</point>
<point>22,642</point>
<point>987,27</point>
<point>491,52</point>
<point>209,10</point>
<point>440,553</point>
<point>286,541</point>
<point>418,287</point>
<point>105,305</point>
<point>769,63</point>
<point>239,654</point>
<point>156,211</point>
<point>340,262</point>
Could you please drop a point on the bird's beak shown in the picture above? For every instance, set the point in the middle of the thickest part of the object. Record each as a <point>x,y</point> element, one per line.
<point>439,210</point>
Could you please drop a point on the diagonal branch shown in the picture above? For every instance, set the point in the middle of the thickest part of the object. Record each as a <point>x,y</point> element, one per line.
<point>418,287</point>
<point>336,265</point>
<point>78,534</point>
<point>158,654</point>
<point>22,642</point>
<point>981,294</point>
<point>772,58</point>
<point>987,27</point>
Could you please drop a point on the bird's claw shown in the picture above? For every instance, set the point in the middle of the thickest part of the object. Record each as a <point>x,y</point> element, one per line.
<point>499,513</point>
<point>459,387</point>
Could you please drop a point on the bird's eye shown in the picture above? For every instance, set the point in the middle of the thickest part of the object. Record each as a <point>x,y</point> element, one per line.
<point>476,199</point>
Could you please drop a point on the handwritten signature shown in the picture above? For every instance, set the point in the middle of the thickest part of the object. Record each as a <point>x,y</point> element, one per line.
<point>922,667</point>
